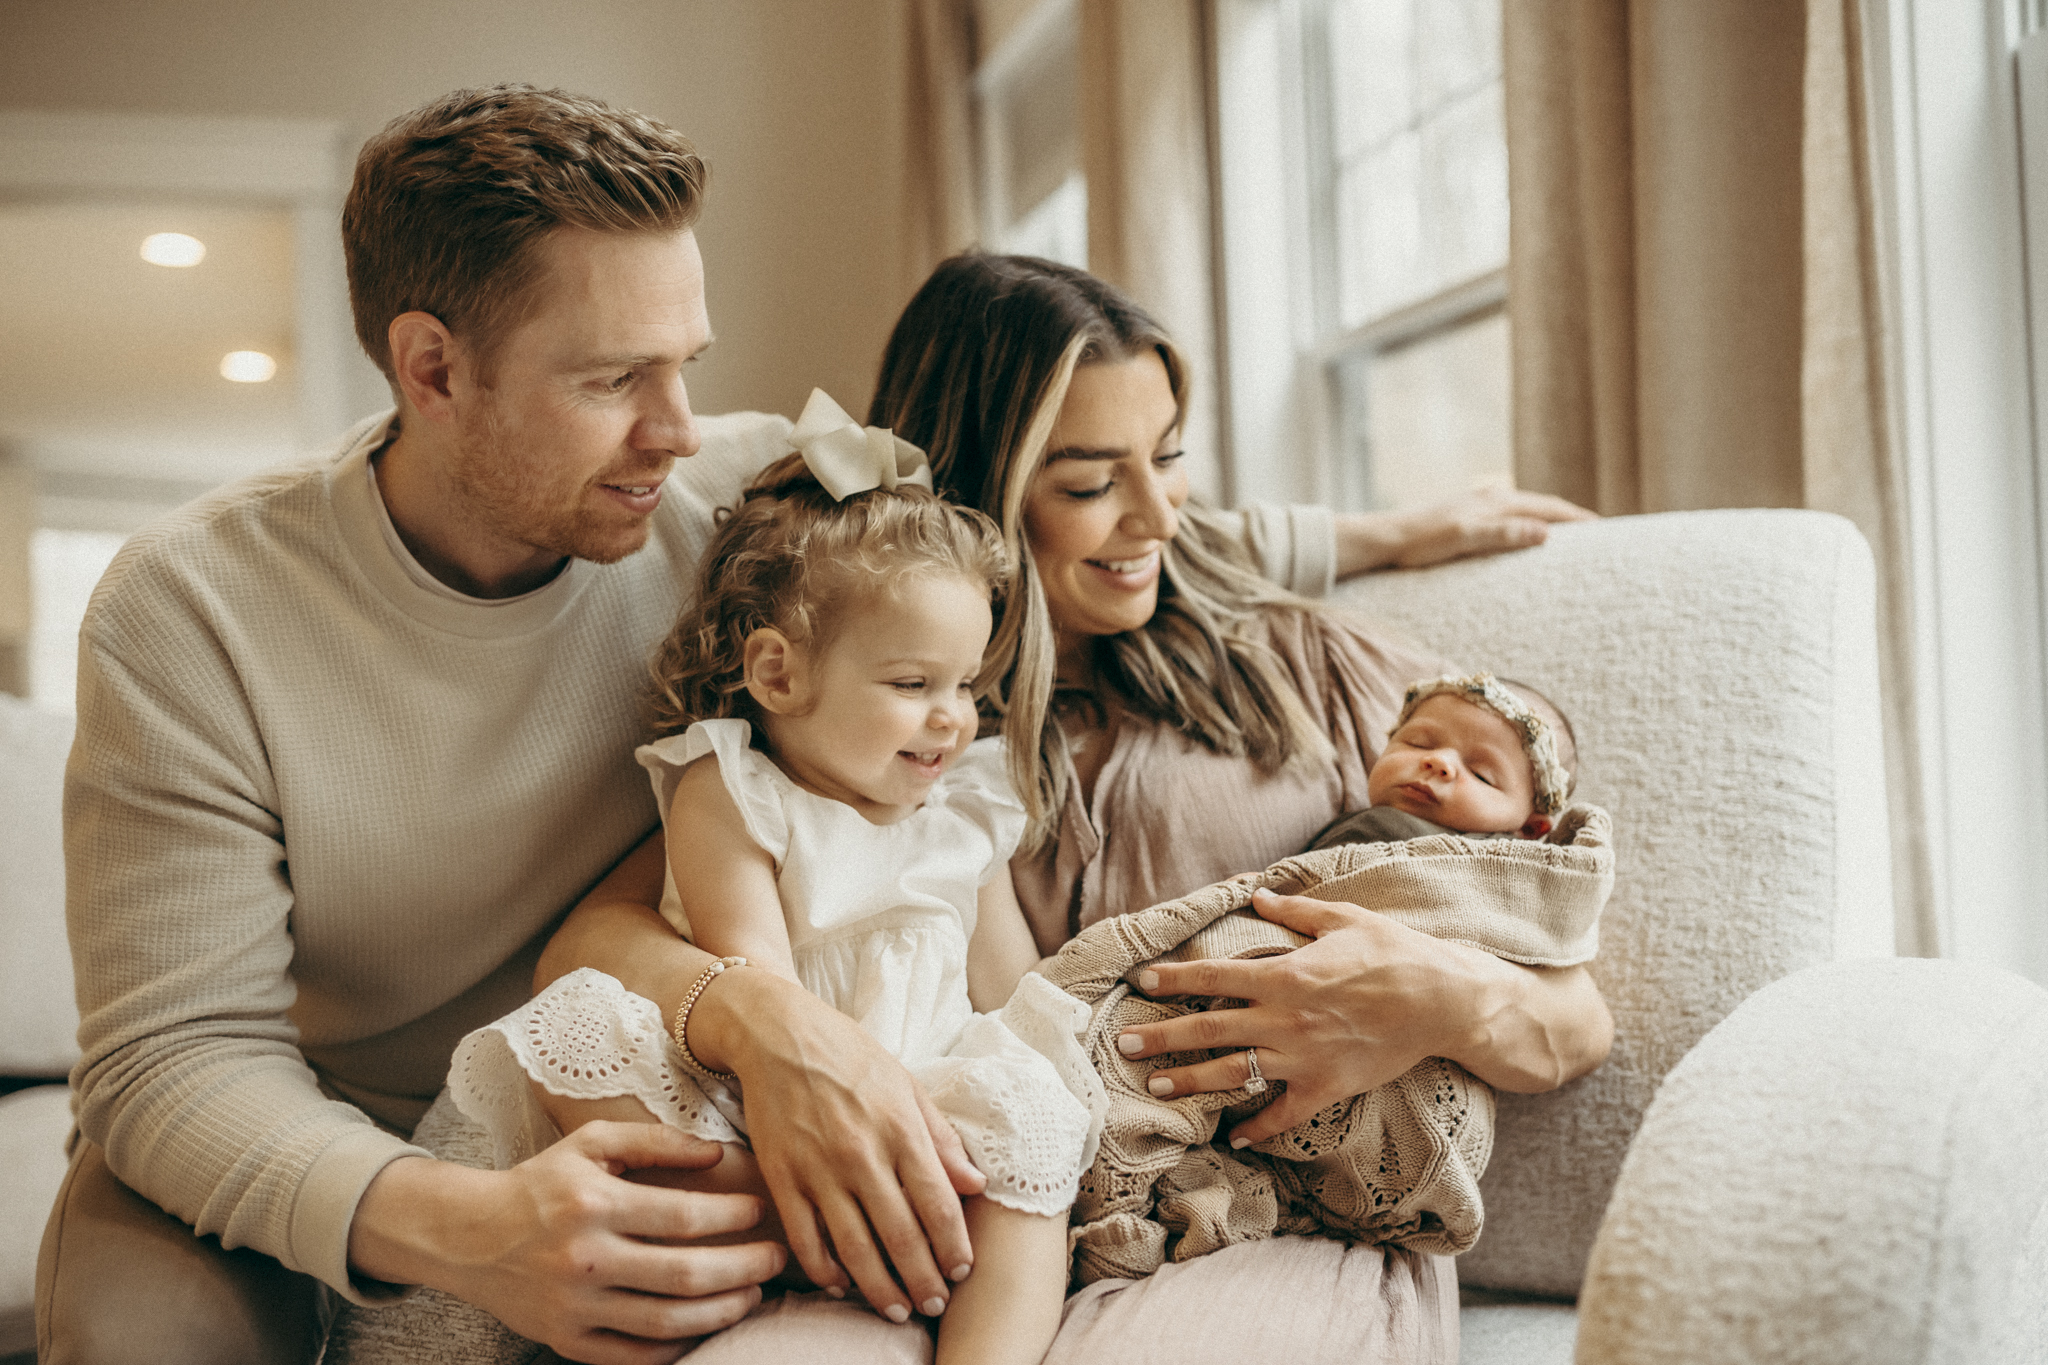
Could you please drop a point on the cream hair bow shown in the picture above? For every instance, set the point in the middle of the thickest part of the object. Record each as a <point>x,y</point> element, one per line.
<point>848,458</point>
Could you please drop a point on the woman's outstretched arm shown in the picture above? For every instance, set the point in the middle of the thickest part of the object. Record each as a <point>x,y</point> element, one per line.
<point>1483,522</point>
<point>1366,1001</point>
<point>837,1125</point>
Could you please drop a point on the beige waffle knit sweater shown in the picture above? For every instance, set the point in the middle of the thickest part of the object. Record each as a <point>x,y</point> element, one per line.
<point>321,813</point>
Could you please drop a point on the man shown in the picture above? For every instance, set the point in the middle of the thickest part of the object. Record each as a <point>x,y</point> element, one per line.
<point>352,735</point>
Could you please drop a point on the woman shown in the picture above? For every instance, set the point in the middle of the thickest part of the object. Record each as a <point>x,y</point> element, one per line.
<point>1171,718</point>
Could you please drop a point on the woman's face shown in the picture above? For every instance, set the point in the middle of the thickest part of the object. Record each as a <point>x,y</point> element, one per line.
<point>1105,501</point>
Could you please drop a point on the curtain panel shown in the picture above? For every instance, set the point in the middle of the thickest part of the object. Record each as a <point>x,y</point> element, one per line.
<point>1695,296</point>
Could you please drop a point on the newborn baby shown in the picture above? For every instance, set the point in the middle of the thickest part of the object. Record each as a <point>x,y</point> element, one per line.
<point>1478,756</point>
<point>1468,839</point>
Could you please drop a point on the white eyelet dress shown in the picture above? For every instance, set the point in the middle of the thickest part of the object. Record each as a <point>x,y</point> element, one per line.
<point>879,918</point>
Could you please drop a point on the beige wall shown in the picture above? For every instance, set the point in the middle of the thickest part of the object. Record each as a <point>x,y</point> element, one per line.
<point>794,102</point>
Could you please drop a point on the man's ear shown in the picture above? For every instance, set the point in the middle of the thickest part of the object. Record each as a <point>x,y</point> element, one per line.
<point>775,673</point>
<point>1536,826</point>
<point>423,352</point>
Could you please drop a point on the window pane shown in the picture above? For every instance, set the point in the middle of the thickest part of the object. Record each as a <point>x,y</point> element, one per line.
<point>1464,199</point>
<point>1457,49</point>
<point>1370,73</point>
<point>63,568</point>
<point>1380,232</point>
<point>1431,419</point>
<point>1418,150</point>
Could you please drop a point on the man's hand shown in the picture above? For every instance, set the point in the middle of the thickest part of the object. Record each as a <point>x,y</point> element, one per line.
<point>1485,521</point>
<point>562,1250</point>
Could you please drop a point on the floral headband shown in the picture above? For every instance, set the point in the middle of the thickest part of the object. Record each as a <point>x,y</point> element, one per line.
<point>1553,783</point>
<point>848,458</point>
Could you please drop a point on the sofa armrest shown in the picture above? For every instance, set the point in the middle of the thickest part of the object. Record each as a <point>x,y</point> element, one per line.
<point>1848,1168</point>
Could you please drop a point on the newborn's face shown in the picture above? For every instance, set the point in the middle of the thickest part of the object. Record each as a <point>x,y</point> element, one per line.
<point>1459,765</point>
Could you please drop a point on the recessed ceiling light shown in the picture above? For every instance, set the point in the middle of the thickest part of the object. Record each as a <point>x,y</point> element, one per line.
<point>247,367</point>
<point>173,249</point>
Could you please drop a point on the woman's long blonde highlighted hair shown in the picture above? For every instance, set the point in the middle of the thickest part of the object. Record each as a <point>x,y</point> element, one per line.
<point>975,373</point>
<point>791,557</point>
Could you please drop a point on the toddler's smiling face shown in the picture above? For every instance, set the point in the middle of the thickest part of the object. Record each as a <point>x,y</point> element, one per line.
<point>888,703</point>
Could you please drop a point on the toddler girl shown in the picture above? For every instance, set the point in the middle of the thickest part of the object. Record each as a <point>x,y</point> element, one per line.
<point>837,822</point>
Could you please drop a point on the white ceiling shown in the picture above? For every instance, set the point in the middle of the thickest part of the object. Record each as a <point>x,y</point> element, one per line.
<point>110,366</point>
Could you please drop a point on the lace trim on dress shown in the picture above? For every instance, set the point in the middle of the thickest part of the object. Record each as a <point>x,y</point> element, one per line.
<point>1023,1097</point>
<point>584,1037</point>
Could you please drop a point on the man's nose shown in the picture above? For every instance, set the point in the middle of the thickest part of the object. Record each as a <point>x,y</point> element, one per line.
<point>668,423</point>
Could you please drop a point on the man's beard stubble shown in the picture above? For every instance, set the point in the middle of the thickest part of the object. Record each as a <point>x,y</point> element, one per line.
<point>512,496</point>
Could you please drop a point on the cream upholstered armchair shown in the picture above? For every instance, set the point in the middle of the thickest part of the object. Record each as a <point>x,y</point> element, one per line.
<point>1802,1148</point>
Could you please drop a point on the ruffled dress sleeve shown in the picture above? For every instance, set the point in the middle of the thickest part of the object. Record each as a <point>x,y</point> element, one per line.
<point>751,779</point>
<point>977,788</point>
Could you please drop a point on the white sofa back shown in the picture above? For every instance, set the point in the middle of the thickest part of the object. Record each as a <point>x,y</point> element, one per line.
<point>38,1009</point>
<point>1720,670</point>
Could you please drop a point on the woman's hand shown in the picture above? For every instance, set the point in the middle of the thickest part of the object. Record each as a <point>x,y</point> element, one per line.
<point>1484,521</point>
<point>849,1145</point>
<point>1363,1003</point>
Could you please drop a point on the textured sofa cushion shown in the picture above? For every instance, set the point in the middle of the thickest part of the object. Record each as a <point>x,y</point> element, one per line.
<point>1720,671</point>
<point>38,1011</point>
<point>1850,1168</point>
<point>34,1125</point>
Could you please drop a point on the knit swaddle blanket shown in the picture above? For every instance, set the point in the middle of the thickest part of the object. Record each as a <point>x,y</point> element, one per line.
<point>1397,1164</point>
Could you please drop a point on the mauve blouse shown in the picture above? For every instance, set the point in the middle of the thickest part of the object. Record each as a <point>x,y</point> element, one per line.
<point>1169,816</point>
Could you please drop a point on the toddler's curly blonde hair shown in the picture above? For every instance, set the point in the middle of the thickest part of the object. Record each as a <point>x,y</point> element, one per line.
<point>791,557</point>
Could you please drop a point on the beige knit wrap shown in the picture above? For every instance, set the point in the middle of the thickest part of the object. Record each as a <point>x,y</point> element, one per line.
<point>1397,1164</point>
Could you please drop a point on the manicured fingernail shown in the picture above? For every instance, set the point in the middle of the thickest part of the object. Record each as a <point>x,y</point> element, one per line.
<point>961,1272</point>
<point>1148,980</point>
<point>835,1291</point>
<point>934,1306</point>
<point>896,1312</point>
<point>1159,1085</point>
<point>1239,1144</point>
<point>1129,1043</point>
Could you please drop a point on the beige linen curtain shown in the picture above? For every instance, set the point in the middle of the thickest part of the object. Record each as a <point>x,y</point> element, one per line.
<point>939,214</point>
<point>1145,149</point>
<point>1695,295</point>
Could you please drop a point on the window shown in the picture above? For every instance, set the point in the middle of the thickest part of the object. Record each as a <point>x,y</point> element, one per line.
<point>1392,208</point>
<point>1034,198</point>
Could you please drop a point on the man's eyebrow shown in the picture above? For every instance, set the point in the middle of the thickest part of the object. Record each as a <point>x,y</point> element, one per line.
<point>634,362</point>
<point>1104,452</point>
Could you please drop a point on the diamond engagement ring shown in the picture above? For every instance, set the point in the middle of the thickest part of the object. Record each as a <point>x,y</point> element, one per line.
<point>1254,1083</point>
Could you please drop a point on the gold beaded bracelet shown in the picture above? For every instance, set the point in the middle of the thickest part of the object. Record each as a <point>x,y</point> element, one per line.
<point>683,1018</point>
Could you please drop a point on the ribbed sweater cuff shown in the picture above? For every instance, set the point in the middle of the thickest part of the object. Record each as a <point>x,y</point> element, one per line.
<point>326,1207</point>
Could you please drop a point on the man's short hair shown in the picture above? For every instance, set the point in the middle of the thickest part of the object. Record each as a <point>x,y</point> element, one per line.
<point>451,201</point>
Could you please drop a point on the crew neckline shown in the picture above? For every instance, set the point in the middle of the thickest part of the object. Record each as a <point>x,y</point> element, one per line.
<point>373,542</point>
<point>418,572</point>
